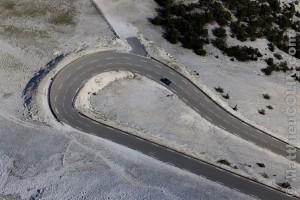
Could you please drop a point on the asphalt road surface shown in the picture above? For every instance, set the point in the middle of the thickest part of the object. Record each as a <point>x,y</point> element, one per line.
<point>72,78</point>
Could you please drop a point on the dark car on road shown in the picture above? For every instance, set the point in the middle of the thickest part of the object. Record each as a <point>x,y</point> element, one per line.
<point>166,81</point>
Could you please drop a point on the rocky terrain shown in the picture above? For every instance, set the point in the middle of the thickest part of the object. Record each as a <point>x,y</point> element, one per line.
<point>41,159</point>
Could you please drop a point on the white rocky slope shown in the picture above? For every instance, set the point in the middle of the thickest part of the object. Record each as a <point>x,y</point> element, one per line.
<point>44,163</point>
<point>40,159</point>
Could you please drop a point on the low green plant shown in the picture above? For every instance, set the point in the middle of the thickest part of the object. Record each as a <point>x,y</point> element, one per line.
<point>278,56</point>
<point>266,96</point>
<point>235,108</point>
<point>285,185</point>
<point>224,162</point>
<point>219,89</point>
<point>220,32</point>
<point>270,107</point>
<point>9,5</point>
<point>63,19</point>
<point>265,175</point>
<point>262,111</point>
<point>261,165</point>
<point>226,96</point>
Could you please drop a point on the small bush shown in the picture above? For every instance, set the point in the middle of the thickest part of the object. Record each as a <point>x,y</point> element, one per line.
<point>262,111</point>
<point>284,67</point>
<point>271,47</point>
<point>224,162</point>
<point>220,44</point>
<point>259,55</point>
<point>267,71</point>
<point>265,175</point>
<point>240,53</point>
<point>63,19</point>
<point>219,89</point>
<point>173,35</point>
<point>158,21</point>
<point>261,165</point>
<point>297,69</point>
<point>270,107</point>
<point>285,185</point>
<point>266,96</point>
<point>294,75</point>
<point>9,5</point>
<point>220,32</point>
<point>278,56</point>
<point>226,96</point>
<point>235,108</point>
<point>200,52</point>
<point>270,61</point>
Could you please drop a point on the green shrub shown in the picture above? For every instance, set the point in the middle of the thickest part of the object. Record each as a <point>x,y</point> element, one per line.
<point>255,19</point>
<point>266,96</point>
<point>235,108</point>
<point>219,89</point>
<point>270,61</point>
<point>285,185</point>
<point>158,20</point>
<point>278,56</point>
<point>224,162</point>
<point>173,36</point>
<point>242,53</point>
<point>270,107</point>
<point>226,96</point>
<point>267,71</point>
<point>261,165</point>
<point>262,111</point>
<point>200,52</point>
<point>164,3</point>
<point>239,31</point>
<point>220,32</point>
<point>265,175</point>
<point>271,47</point>
<point>220,44</point>
<point>9,5</point>
<point>63,19</point>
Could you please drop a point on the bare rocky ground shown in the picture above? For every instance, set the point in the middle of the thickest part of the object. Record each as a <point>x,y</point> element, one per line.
<point>41,161</point>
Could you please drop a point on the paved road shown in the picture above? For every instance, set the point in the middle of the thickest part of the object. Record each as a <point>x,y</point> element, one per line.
<point>72,78</point>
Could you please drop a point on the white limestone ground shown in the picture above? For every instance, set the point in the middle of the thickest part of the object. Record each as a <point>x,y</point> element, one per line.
<point>140,106</point>
<point>44,163</point>
<point>244,82</point>
<point>41,159</point>
<point>95,84</point>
